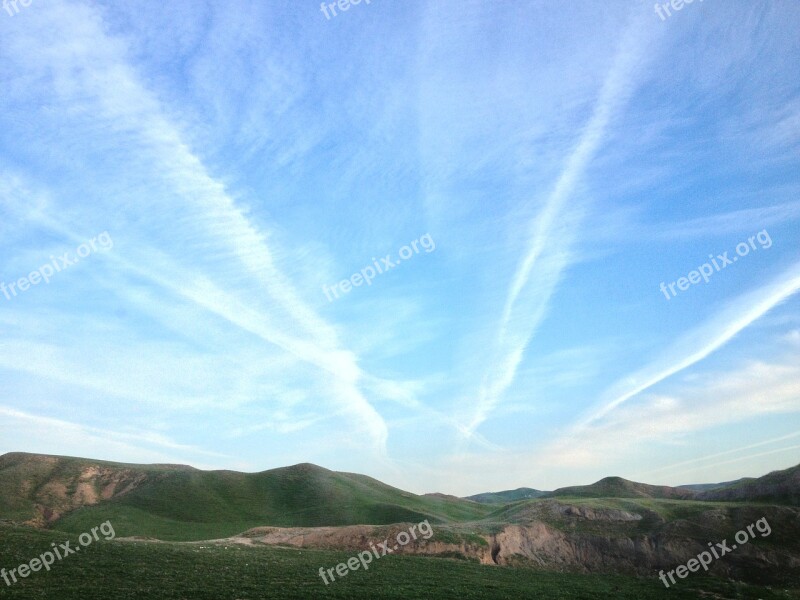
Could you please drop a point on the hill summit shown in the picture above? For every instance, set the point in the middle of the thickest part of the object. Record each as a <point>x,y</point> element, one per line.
<point>179,502</point>
<point>617,487</point>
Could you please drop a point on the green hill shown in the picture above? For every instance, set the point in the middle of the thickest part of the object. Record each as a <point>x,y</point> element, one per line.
<point>705,487</point>
<point>617,487</point>
<point>37,489</point>
<point>506,496</point>
<point>181,503</point>
<point>778,487</point>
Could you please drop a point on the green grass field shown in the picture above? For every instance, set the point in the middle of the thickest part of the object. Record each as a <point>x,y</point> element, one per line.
<point>138,570</point>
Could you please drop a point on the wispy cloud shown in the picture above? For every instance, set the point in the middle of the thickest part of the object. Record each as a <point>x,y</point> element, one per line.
<point>551,235</point>
<point>81,437</point>
<point>557,157</point>
<point>709,460</point>
<point>696,345</point>
<point>96,78</point>
<point>719,398</point>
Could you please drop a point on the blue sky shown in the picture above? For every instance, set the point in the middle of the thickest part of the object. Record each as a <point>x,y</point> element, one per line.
<point>237,157</point>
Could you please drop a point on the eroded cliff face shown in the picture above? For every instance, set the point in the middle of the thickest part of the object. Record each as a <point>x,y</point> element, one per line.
<point>539,545</point>
<point>586,540</point>
<point>60,493</point>
<point>361,537</point>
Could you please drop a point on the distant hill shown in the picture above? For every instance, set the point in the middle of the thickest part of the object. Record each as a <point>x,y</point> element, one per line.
<point>778,487</point>
<point>506,496</point>
<point>613,525</point>
<point>38,489</point>
<point>704,487</point>
<point>617,487</point>
<point>177,502</point>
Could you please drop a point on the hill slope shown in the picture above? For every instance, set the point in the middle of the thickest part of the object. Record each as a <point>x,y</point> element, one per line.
<point>506,496</point>
<point>705,487</point>
<point>175,502</point>
<point>38,489</point>
<point>617,487</point>
<point>778,487</point>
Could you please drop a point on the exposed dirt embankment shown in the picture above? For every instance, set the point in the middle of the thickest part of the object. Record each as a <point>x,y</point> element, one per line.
<point>592,540</point>
<point>578,539</point>
<point>61,493</point>
<point>360,537</point>
<point>540,545</point>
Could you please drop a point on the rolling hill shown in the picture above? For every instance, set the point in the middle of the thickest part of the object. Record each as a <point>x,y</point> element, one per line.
<point>38,489</point>
<point>704,487</point>
<point>778,487</point>
<point>177,502</point>
<point>617,487</point>
<point>611,526</point>
<point>506,496</point>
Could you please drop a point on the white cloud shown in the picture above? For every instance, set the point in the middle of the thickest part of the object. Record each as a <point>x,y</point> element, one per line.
<point>696,345</point>
<point>712,400</point>
<point>552,232</point>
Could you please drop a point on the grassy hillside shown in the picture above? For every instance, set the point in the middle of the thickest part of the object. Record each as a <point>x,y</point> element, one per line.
<point>173,502</point>
<point>778,487</point>
<point>705,487</point>
<point>39,488</point>
<point>556,511</point>
<point>617,487</point>
<point>506,496</point>
<point>692,519</point>
<point>167,571</point>
<point>178,503</point>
